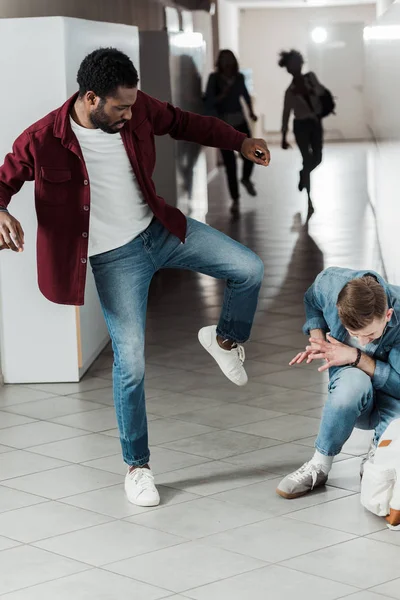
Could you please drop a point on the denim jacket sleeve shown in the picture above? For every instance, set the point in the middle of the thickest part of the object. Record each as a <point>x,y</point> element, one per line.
<point>387,374</point>
<point>314,313</point>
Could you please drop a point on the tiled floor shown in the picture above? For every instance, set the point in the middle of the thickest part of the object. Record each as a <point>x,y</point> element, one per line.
<point>221,532</point>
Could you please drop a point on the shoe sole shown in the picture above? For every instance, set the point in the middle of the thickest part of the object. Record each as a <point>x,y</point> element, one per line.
<point>203,343</point>
<point>291,496</point>
<point>299,494</point>
<point>143,504</point>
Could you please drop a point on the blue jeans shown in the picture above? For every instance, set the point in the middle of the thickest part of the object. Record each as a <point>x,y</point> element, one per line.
<point>123,278</point>
<point>353,402</point>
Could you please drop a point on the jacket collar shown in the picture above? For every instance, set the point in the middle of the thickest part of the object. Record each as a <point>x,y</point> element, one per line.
<point>62,127</point>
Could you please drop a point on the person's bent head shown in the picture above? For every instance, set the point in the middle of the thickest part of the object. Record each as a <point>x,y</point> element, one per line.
<point>108,88</point>
<point>292,61</point>
<point>227,63</point>
<point>363,309</point>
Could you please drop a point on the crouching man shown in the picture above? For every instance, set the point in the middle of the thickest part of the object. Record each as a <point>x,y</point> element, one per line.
<point>353,320</point>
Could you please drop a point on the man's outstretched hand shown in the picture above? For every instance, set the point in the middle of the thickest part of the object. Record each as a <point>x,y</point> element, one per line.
<point>11,233</point>
<point>256,151</point>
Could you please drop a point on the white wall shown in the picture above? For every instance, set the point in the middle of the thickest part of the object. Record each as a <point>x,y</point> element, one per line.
<point>265,32</point>
<point>383,66</point>
<point>228,26</point>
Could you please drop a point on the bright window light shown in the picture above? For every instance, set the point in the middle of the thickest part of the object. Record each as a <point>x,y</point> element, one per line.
<point>319,35</point>
<point>382,32</point>
<point>188,40</point>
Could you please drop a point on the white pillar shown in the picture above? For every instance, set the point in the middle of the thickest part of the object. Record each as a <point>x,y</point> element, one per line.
<point>39,58</point>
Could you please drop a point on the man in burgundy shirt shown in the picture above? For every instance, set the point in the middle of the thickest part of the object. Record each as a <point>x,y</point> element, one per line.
<point>92,162</point>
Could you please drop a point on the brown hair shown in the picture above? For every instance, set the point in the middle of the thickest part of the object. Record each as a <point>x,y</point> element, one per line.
<point>360,301</point>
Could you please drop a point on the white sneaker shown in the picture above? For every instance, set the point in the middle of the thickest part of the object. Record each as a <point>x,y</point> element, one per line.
<point>140,488</point>
<point>229,361</point>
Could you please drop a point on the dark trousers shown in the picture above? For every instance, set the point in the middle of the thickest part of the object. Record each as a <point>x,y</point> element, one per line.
<point>309,138</point>
<point>229,158</point>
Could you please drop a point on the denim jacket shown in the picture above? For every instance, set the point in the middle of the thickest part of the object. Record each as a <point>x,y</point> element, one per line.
<point>321,313</point>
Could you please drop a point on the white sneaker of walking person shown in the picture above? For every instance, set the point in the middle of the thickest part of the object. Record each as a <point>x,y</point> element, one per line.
<point>140,488</point>
<point>230,361</point>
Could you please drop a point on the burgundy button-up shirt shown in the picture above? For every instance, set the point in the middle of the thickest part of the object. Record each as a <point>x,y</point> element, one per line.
<point>48,152</point>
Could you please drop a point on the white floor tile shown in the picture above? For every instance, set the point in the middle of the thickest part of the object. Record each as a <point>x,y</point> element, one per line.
<point>51,408</point>
<point>386,535</point>
<point>172,404</point>
<point>277,539</point>
<point>161,461</point>
<point>286,429</point>
<point>46,520</point>
<point>81,449</point>
<point>281,459</point>
<point>346,474</point>
<point>65,389</point>
<point>95,421</point>
<point>345,514</point>
<point>6,544</point>
<point>290,401</point>
<point>360,562</point>
<point>13,499</point>
<point>109,543</point>
<point>39,432</point>
<point>280,583</point>
<point>113,502</point>
<point>185,566</point>
<point>162,431</point>
<point>263,497</point>
<point>358,443</point>
<point>65,481</point>
<point>19,463</point>
<point>26,566</point>
<point>391,589</point>
<point>368,596</point>
<point>198,518</point>
<point>4,449</point>
<point>10,395</point>
<point>10,420</point>
<point>212,477</point>
<point>95,584</point>
<point>103,395</point>
<point>221,444</point>
<point>226,416</point>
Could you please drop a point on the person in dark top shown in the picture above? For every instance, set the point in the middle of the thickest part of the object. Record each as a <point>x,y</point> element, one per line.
<point>226,86</point>
<point>303,98</point>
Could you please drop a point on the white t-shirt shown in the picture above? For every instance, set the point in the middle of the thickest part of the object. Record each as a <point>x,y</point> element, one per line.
<point>118,212</point>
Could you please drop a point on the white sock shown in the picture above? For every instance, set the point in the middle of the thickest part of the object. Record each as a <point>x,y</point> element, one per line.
<point>324,461</point>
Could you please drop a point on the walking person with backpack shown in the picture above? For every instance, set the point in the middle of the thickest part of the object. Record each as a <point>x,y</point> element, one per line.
<point>310,102</point>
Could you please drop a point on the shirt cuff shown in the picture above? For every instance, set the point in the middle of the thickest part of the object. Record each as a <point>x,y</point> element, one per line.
<point>240,139</point>
<point>381,374</point>
<point>2,209</point>
<point>315,323</point>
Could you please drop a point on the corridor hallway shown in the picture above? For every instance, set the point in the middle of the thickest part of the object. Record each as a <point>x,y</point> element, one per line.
<point>218,451</point>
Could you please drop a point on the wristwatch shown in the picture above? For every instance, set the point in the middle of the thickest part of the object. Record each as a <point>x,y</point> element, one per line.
<point>355,363</point>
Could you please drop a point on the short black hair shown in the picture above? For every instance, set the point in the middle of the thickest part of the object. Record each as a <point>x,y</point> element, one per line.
<point>105,70</point>
<point>285,57</point>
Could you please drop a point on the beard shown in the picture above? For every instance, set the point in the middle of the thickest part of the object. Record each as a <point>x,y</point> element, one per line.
<point>101,121</point>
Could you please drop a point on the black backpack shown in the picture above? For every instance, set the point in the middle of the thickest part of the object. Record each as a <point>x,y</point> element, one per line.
<point>328,104</point>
